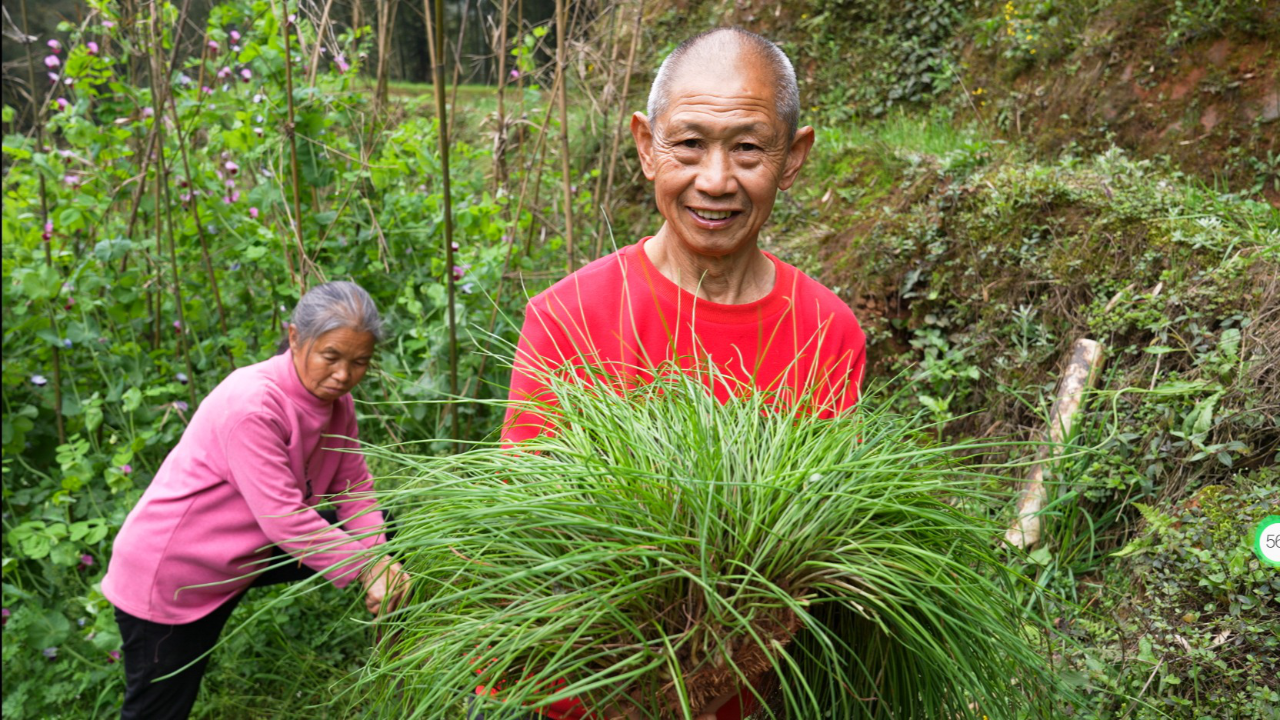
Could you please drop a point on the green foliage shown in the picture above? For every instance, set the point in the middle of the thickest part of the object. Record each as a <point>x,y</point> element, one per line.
<point>116,337</point>
<point>1195,619</point>
<point>983,276</point>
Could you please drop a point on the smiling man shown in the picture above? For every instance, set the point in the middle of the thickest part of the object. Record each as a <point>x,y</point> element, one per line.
<point>720,139</point>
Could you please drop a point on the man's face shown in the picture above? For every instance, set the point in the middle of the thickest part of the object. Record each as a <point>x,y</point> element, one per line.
<point>719,154</point>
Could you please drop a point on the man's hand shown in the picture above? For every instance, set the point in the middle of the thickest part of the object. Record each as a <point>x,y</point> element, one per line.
<point>385,584</point>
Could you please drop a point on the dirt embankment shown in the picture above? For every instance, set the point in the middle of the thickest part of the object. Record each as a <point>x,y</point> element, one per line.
<point>1212,105</point>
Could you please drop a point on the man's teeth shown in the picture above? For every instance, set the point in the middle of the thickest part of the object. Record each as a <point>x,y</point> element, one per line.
<point>713,214</point>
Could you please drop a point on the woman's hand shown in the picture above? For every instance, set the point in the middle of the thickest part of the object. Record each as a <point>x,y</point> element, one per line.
<point>385,584</point>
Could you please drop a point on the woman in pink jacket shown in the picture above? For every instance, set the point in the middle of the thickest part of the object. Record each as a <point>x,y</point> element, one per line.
<point>240,491</point>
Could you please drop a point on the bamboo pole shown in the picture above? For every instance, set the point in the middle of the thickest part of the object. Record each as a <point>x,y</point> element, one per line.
<point>315,52</point>
<point>457,64</point>
<point>1081,373</point>
<point>617,128</point>
<point>435,41</point>
<point>500,129</point>
<point>159,86</point>
<point>386,17</point>
<point>562,100</point>
<point>37,109</point>
<point>195,215</point>
<point>291,130</point>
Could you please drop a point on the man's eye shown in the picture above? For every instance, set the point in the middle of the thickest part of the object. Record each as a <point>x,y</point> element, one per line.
<point>690,143</point>
<point>749,147</point>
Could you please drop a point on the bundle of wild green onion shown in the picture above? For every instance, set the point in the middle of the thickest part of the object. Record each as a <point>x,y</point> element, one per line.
<point>662,549</point>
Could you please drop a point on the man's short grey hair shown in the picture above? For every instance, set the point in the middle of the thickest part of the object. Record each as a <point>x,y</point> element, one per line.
<point>726,39</point>
<point>333,306</point>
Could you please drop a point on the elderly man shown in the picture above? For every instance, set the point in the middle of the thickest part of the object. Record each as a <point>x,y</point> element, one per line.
<point>719,141</point>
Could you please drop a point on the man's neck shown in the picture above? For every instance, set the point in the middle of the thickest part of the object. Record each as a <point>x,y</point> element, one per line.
<point>735,279</point>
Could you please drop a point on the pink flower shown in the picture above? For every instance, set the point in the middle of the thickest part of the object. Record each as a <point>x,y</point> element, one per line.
<point>53,78</point>
<point>62,104</point>
<point>126,469</point>
<point>258,131</point>
<point>342,63</point>
<point>5,614</point>
<point>148,111</point>
<point>224,73</point>
<point>177,325</point>
<point>459,271</point>
<point>51,61</point>
<point>246,74</point>
<point>234,197</point>
<point>206,90</point>
<point>86,561</point>
<point>253,213</point>
<point>515,74</point>
<point>113,657</point>
<point>108,23</point>
<point>54,45</point>
<point>48,231</point>
<point>185,198</point>
<point>92,47</point>
<point>72,180</point>
<point>235,36</point>
<point>213,46</point>
<point>231,167</point>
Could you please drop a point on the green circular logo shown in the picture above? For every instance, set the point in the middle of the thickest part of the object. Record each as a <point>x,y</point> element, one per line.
<point>1266,541</point>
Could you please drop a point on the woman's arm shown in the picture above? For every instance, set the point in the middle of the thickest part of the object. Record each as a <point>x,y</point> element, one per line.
<point>256,455</point>
<point>358,512</point>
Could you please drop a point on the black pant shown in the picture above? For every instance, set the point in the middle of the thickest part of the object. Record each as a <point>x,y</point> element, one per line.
<point>153,650</point>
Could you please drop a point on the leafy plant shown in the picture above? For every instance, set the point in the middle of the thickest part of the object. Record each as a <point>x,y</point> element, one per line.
<point>661,549</point>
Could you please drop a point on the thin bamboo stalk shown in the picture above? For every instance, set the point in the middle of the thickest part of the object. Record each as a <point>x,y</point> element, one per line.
<point>291,130</point>
<point>151,136</point>
<point>195,216</point>
<point>315,52</point>
<point>159,87</point>
<point>37,110</point>
<point>617,128</point>
<point>435,40</point>
<point>500,129</point>
<point>386,17</point>
<point>562,99</point>
<point>457,64</point>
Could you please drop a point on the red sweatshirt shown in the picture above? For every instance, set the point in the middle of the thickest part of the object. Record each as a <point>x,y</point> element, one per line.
<point>621,314</point>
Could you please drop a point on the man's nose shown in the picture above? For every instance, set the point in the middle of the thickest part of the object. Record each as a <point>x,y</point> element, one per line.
<point>341,373</point>
<point>715,177</point>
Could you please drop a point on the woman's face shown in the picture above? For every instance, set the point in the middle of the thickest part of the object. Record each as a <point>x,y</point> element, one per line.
<point>334,363</point>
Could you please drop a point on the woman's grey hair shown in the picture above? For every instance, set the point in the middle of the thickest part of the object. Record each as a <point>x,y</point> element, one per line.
<point>336,305</point>
<point>722,40</point>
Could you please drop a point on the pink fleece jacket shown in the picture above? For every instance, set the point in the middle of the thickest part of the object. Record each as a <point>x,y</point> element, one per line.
<point>246,475</point>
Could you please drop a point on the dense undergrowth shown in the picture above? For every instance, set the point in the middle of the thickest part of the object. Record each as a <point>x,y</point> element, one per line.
<point>973,269</point>
<point>972,256</point>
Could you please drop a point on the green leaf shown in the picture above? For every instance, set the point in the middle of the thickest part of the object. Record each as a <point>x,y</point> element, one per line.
<point>327,217</point>
<point>132,399</point>
<point>109,251</point>
<point>1041,556</point>
<point>49,630</point>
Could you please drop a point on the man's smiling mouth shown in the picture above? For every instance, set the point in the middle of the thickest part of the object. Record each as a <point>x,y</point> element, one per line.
<point>713,214</point>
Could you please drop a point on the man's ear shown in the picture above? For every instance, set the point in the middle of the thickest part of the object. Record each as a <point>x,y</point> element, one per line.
<point>796,155</point>
<point>642,131</point>
<point>293,338</point>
